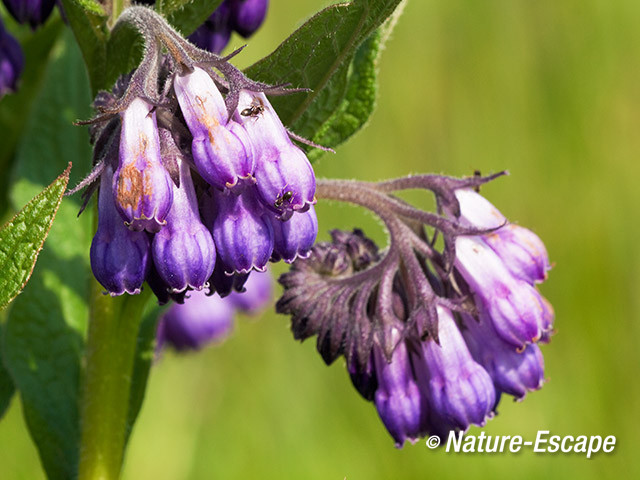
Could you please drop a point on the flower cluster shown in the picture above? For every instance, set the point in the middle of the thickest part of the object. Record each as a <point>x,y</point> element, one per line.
<point>33,12</point>
<point>243,16</point>
<point>202,319</point>
<point>197,189</point>
<point>432,336</point>
<point>11,61</point>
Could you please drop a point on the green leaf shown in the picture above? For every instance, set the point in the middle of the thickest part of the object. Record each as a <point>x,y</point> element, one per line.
<point>6,384</point>
<point>318,56</point>
<point>88,20</point>
<point>359,101</point>
<point>186,15</point>
<point>15,108</point>
<point>43,337</point>
<point>21,239</point>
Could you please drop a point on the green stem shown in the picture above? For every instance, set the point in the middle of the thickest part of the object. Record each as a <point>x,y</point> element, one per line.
<point>111,345</point>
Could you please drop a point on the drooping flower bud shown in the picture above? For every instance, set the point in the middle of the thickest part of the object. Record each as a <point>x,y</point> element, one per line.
<point>294,238</point>
<point>119,256</point>
<point>11,61</point>
<point>516,309</point>
<point>214,34</point>
<point>242,232</point>
<point>248,15</point>
<point>460,391</point>
<point>183,251</point>
<point>258,291</point>
<point>402,408</point>
<point>221,151</point>
<point>284,176</point>
<point>521,250</point>
<point>34,12</point>
<point>141,186</point>
<point>513,372</point>
<point>200,320</point>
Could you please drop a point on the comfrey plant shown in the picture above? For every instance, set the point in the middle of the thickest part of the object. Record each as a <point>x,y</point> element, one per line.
<point>202,175</point>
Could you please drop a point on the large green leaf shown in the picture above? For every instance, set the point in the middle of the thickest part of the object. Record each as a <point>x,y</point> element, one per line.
<point>318,56</point>
<point>43,337</point>
<point>186,15</point>
<point>88,20</point>
<point>21,239</point>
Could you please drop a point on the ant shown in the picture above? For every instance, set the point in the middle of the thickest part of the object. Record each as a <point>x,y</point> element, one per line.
<point>256,108</point>
<point>283,197</point>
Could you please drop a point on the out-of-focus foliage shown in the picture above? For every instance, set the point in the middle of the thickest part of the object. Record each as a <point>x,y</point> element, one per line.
<point>549,90</point>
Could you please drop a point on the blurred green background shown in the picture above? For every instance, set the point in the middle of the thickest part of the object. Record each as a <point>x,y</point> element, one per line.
<point>549,90</point>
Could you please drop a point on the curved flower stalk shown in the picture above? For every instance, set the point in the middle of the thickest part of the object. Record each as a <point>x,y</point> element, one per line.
<point>432,335</point>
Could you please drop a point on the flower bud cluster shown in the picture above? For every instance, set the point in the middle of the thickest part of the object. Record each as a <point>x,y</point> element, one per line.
<point>199,180</point>
<point>432,337</point>
<point>33,12</point>
<point>243,16</point>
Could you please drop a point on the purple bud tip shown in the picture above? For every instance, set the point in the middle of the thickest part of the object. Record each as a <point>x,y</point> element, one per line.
<point>200,320</point>
<point>11,61</point>
<point>294,238</point>
<point>34,12</point>
<point>401,407</point>
<point>119,256</point>
<point>141,186</point>
<point>248,15</point>
<point>242,232</point>
<point>257,295</point>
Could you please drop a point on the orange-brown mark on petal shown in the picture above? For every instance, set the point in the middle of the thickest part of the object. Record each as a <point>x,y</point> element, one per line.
<point>129,187</point>
<point>204,117</point>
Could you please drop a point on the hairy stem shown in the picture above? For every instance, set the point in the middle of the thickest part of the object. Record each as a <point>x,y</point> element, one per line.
<point>111,344</point>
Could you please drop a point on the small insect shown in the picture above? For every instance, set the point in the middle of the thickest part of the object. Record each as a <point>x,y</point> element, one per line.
<point>256,108</point>
<point>283,197</point>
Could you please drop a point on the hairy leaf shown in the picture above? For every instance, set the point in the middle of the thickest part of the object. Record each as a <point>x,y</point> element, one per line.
<point>21,239</point>
<point>43,337</point>
<point>318,56</point>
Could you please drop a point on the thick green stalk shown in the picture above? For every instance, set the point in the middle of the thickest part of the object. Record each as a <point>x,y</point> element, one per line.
<point>117,6</point>
<point>111,345</point>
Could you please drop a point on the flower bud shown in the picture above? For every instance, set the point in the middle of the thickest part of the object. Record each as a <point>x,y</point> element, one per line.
<point>119,256</point>
<point>183,251</point>
<point>516,309</point>
<point>294,238</point>
<point>141,186</point>
<point>401,407</point>
<point>200,320</point>
<point>248,15</point>
<point>284,176</point>
<point>513,372</point>
<point>460,391</point>
<point>221,151</point>
<point>242,232</point>
<point>214,34</point>
<point>35,12</point>
<point>11,61</point>
<point>522,251</point>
